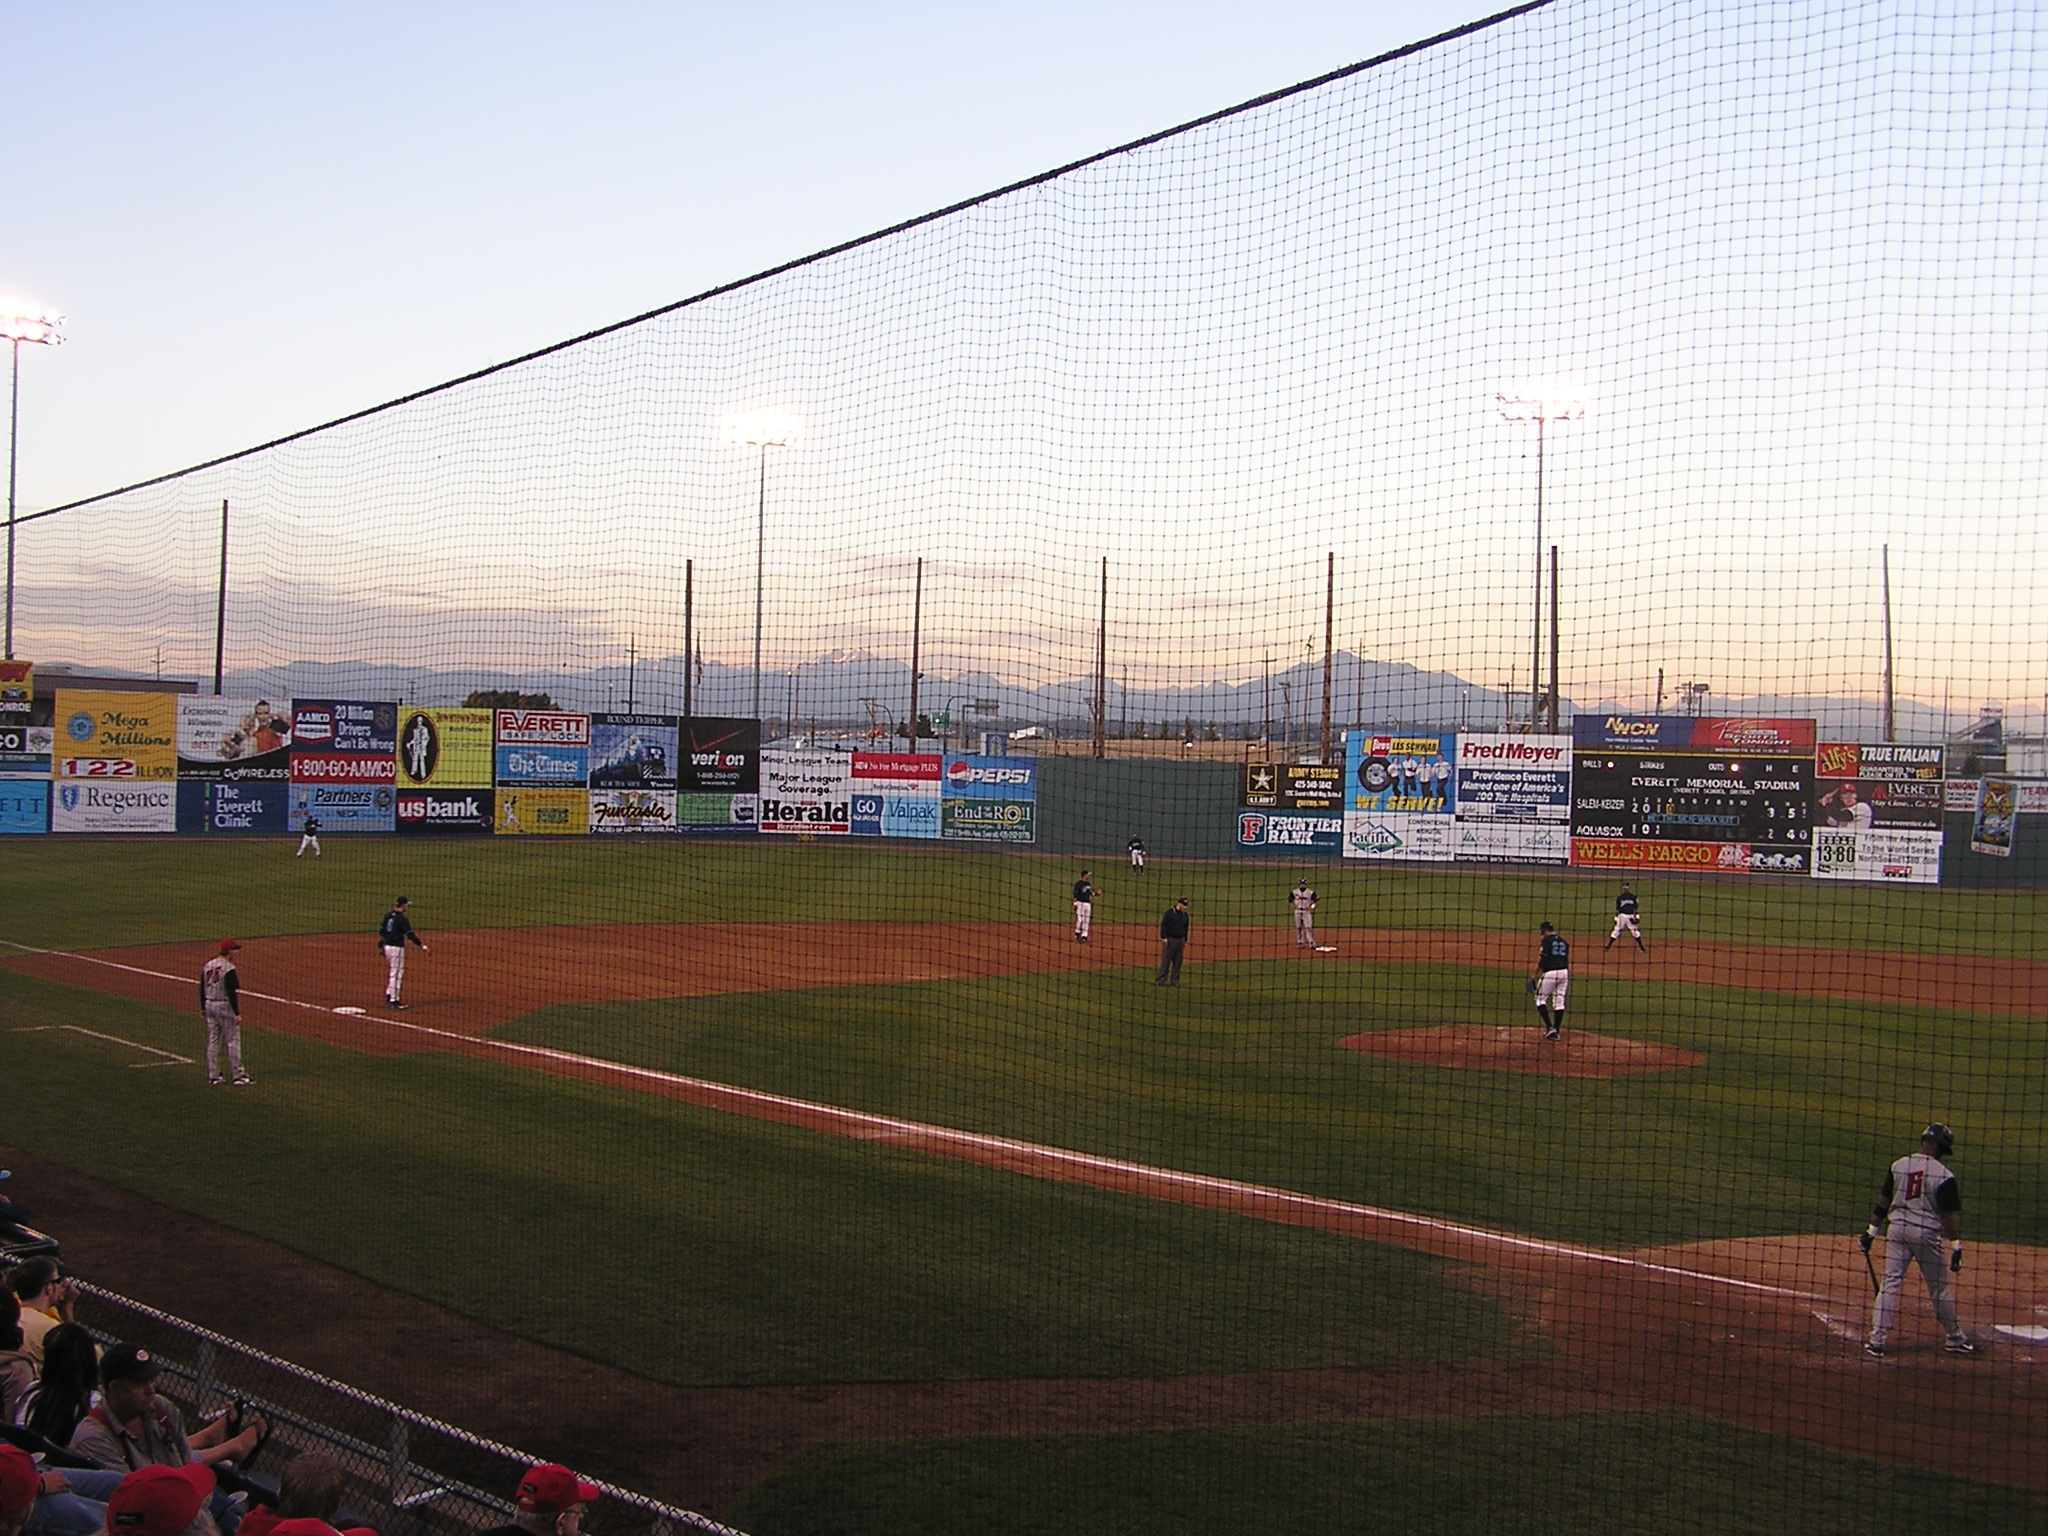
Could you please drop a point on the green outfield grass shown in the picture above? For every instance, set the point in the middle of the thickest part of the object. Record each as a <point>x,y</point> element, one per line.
<point>705,1248</point>
<point>1618,1474</point>
<point>84,892</point>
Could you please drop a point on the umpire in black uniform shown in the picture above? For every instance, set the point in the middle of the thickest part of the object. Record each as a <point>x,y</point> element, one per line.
<point>1173,943</point>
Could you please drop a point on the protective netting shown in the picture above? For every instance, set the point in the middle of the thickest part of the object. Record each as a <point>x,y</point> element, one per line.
<point>1599,446</point>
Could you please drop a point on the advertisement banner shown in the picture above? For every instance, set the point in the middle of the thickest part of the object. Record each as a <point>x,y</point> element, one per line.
<point>344,725</point>
<point>445,749</point>
<point>1996,812</point>
<point>543,813</point>
<point>721,756</point>
<point>1400,795</point>
<point>1653,853</point>
<point>989,821</point>
<point>92,805</point>
<point>25,750</point>
<point>465,812</point>
<point>233,741</point>
<point>344,807</point>
<point>1507,842</point>
<point>264,806</point>
<point>633,752</point>
<point>806,792</point>
<point>1729,783</point>
<point>989,778</point>
<point>632,810</point>
<point>1514,799</point>
<point>989,799</point>
<point>715,815</point>
<point>1291,787</point>
<point>1877,812</point>
<point>1959,795</point>
<point>343,768</point>
<point>128,736</point>
<point>543,767</point>
<point>24,807</point>
<point>904,775</point>
<point>1292,832</point>
<point>17,690</point>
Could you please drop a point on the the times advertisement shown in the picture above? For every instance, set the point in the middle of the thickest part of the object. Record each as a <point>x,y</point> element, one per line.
<point>1514,800</point>
<point>542,749</point>
<point>1877,812</point>
<point>1400,796</point>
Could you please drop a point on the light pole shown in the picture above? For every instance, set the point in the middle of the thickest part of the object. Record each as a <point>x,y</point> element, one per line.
<point>762,430</point>
<point>19,323</point>
<point>1552,403</point>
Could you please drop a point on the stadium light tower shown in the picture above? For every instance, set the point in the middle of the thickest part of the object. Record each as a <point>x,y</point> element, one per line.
<point>1554,402</point>
<point>762,430</point>
<point>19,323</point>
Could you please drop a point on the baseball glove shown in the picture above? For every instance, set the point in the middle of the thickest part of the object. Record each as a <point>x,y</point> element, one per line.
<point>1529,985</point>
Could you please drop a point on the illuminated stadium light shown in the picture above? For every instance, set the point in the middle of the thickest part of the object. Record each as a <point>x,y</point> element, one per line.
<point>762,430</point>
<point>1542,404</point>
<point>39,327</point>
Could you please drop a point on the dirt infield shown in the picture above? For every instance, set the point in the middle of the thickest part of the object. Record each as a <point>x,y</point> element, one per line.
<point>1499,1048</point>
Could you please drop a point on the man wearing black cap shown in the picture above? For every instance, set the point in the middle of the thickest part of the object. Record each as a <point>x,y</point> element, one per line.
<point>220,1000</point>
<point>1173,943</point>
<point>135,1427</point>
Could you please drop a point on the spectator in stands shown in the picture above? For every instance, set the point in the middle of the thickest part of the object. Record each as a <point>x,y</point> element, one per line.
<point>54,1406</point>
<point>17,1371</point>
<point>9,1211</point>
<point>46,1300</point>
<point>163,1501</point>
<point>135,1427</point>
<point>309,1491</point>
<point>550,1502</point>
<point>19,1484</point>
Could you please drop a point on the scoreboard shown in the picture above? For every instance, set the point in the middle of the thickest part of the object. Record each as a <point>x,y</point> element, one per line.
<point>1729,794</point>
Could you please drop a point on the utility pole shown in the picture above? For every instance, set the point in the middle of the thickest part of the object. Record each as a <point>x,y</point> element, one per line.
<point>220,610</point>
<point>916,635</point>
<point>1553,639</point>
<point>689,637</point>
<point>1102,666</point>
<point>1891,718</point>
<point>1329,632</point>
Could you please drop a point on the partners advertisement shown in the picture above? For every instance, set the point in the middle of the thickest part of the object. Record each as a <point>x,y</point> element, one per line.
<point>115,736</point>
<point>1400,796</point>
<point>989,800</point>
<point>340,806</point>
<point>344,764</point>
<point>446,749</point>
<point>542,749</point>
<point>1877,812</point>
<point>234,741</point>
<point>896,794</point>
<point>639,811</point>
<point>458,812</point>
<point>1733,794</point>
<point>1514,799</point>
<point>806,793</point>
<point>543,812</point>
<point>1994,818</point>
<point>633,752</point>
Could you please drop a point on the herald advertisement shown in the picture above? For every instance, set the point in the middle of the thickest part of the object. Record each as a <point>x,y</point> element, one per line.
<point>1514,799</point>
<point>463,812</point>
<point>115,736</point>
<point>1400,795</point>
<point>988,799</point>
<point>1877,812</point>
<point>633,752</point>
<point>1994,817</point>
<point>721,756</point>
<point>806,792</point>
<point>542,749</point>
<point>101,805</point>
<point>543,812</point>
<point>639,811</point>
<point>1292,787</point>
<point>896,794</point>
<point>234,741</point>
<point>445,749</point>
<point>1733,793</point>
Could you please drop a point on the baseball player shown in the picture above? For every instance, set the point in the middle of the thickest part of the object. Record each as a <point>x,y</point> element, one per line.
<point>1919,1213</point>
<point>1627,919</point>
<point>311,838</point>
<point>1084,906</point>
<point>220,1003</point>
<point>1552,983</point>
<point>1137,847</point>
<point>1304,903</point>
<point>393,934</point>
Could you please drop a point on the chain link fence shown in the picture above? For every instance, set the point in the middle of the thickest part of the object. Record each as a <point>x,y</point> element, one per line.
<point>407,1474</point>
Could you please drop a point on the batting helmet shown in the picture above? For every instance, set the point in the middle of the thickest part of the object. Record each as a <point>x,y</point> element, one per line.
<point>1943,1138</point>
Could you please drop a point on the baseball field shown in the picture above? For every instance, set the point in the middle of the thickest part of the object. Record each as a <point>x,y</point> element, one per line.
<point>981,1230</point>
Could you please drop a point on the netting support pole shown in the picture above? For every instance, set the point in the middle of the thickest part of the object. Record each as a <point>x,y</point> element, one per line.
<point>1553,639</point>
<point>1329,635</point>
<point>760,541</point>
<point>689,635</point>
<point>1102,666</point>
<point>1891,718</point>
<point>1536,639</point>
<point>220,607</point>
<point>13,444</point>
<point>916,635</point>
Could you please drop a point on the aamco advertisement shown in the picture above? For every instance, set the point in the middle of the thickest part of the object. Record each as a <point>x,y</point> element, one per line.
<point>543,748</point>
<point>93,805</point>
<point>344,807</point>
<point>445,749</point>
<point>543,813</point>
<point>896,794</point>
<point>989,800</point>
<point>1514,799</point>
<point>469,812</point>
<point>1400,795</point>
<point>806,792</point>
<point>344,725</point>
<point>126,736</point>
<point>632,810</point>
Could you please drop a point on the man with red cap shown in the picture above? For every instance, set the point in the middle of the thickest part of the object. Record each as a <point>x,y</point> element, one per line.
<point>220,1000</point>
<point>161,1501</point>
<point>20,1482</point>
<point>550,1502</point>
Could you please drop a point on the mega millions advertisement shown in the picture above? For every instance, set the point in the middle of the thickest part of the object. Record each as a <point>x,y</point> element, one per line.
<point>1672,791</point>
<point>1877,812</point>
<point>718,783</point>
<point>234,764</point>
<point>344,764</point>
<point>896,794</point>
<point>1400,796</point>
<point>542,749</point>
<point>446,749</point>
<point>989,800</point>
<point>114,762</point>
<point>24,745</point>
<point>806,793</point>
<point>1514,799</point>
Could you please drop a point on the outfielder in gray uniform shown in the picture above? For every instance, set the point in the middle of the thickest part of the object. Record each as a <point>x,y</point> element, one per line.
<point>1920,1210</point>
<point>220,1002</point>
<point>1304,903</point>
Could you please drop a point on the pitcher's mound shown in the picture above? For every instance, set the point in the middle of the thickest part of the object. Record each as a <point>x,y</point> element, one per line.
<point>1499,1048</point>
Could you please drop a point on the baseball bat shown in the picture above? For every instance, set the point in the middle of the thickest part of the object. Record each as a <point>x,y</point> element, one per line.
<point>1871,1269</point>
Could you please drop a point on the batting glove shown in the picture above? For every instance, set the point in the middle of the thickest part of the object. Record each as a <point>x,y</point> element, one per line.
<point>1865,1239</point>
<point>1955,1260</point>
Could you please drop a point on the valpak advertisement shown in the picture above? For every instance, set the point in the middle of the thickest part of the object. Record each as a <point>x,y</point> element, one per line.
<point>1400,796</point>
<point>989,800</point>
<point>806,793</point>
<point>1877,813</point>
<point>1514,799</point>
<point>896,794</point>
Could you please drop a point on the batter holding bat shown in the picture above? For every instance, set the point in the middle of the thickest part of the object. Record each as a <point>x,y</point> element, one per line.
<point>1919,1215</point>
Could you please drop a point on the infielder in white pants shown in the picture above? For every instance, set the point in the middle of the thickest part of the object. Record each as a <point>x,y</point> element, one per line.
<point>1084,907</point>
<point>1304,903</point>
<point>1920,1209</point>
<point>393,934</point>
<point>1552,983</point>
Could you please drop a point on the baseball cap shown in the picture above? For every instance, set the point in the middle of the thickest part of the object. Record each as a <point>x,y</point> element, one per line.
<point>159,1501</point>
<point>550,1489</point>
<point>18,1480</point>
<point>127,1362</point>
<point>229,944</point>
<point>308,1526</point>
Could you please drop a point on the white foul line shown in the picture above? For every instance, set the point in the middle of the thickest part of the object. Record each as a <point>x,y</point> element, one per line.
<point>852,1119</point>
<point>170,1057</point>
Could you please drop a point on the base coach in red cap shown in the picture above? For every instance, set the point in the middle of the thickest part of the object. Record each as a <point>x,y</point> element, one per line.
<point>220,1000</point>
